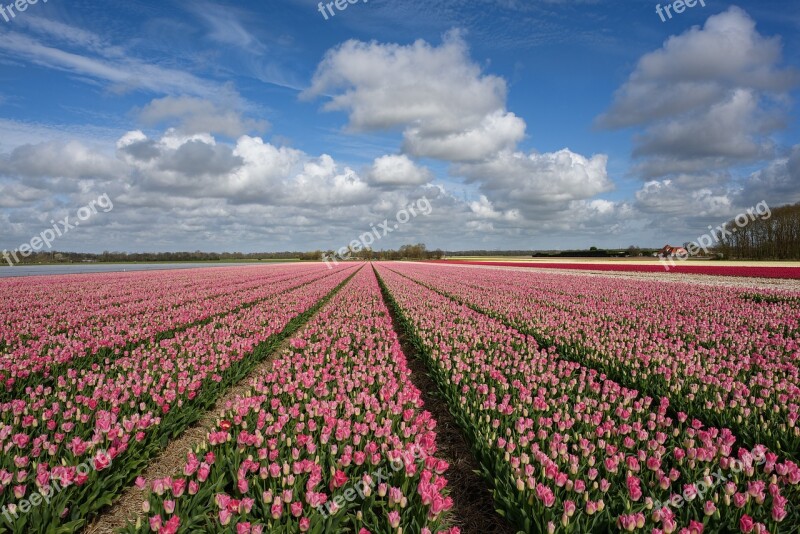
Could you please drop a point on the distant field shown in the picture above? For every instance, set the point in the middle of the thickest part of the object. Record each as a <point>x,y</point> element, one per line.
<point>626,261</point>
<point>170,262</point>
<point>756,269</point>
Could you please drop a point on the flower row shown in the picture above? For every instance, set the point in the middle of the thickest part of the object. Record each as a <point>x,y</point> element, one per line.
<point>332,439</point>
<point>54,320</point>
<point>129,406</point>
<point>569,450</point>
<point>726,356</point>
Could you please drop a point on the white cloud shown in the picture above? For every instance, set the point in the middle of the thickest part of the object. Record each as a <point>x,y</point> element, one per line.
<point>225,25</point>
<point>250,172</point>
<point>322,183</point>
<point>778,183</point>
<point>698,68</point>
<point>677,199</point>
<point>123,73</point>
<point>58,159</point>
<point>498,131</point>
<point>198,115</point>
<point>449,110</point>
<point>717,137</point>
<point>535,182</point>
<point>447,107</point>
<point>193,191</point>
<point>484,209</point>
<point>398,170</point>
<point>709,98</point>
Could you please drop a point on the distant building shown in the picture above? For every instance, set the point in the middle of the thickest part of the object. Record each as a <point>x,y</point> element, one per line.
<point>672,252</point>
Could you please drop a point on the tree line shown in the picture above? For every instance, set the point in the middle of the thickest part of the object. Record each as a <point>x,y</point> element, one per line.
<point>416,252</point>
<point>407,252</point>
<point>774,238</point>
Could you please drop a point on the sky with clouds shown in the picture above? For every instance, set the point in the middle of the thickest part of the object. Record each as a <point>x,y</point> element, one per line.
<point>262,126</point>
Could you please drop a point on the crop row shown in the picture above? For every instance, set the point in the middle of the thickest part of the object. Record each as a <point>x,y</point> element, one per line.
<point>73,301</point>
<point>787,273</point>
<point>569,450</point>
<point>332,439</point>
<point>86,318</point>
<point>118,413</point>
<point>725,356</point>
<point>50,323</point>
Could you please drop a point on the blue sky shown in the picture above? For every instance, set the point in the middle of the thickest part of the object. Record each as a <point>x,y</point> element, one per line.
<point>263,126</point>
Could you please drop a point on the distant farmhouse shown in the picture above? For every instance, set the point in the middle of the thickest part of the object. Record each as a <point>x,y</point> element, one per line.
<point>672,252</point>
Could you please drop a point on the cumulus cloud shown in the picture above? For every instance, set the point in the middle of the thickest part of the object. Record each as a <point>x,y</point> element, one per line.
<point>535,182</point>
<point>198,115</point>
<point>699,68</point>
<point>178,162</point>
<point>398,170</point>
<point>323,183</point>
<point>15,195</point>
<point>709,98</point>
<point>498,131</point>
<point>686,206</point>
<point>450,110</point>
<point>251,171</point>
<point>447,108</point>
<point>686,203</point>
<point>778,183</point>
<point>726,133</point>
<point>674,198</point>
<point>483,208</point>
<point>572,220</point>
<point>70,159</point>
<point>180,189</point>
<point>193,191</point>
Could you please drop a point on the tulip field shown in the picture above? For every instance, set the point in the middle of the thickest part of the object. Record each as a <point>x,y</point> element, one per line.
<point>337,413</point>
<point>590,404</point>
<point>115,403</point>
<point>686,440</point>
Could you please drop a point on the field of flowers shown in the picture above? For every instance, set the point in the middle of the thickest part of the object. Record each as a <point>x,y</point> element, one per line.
<point>726,355</point>
<point>569,450</point>
<point>679,268</point>
<point>332,439</point>
<point>120,410</point>
<point>591,404</point>
<point>104,314</point>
